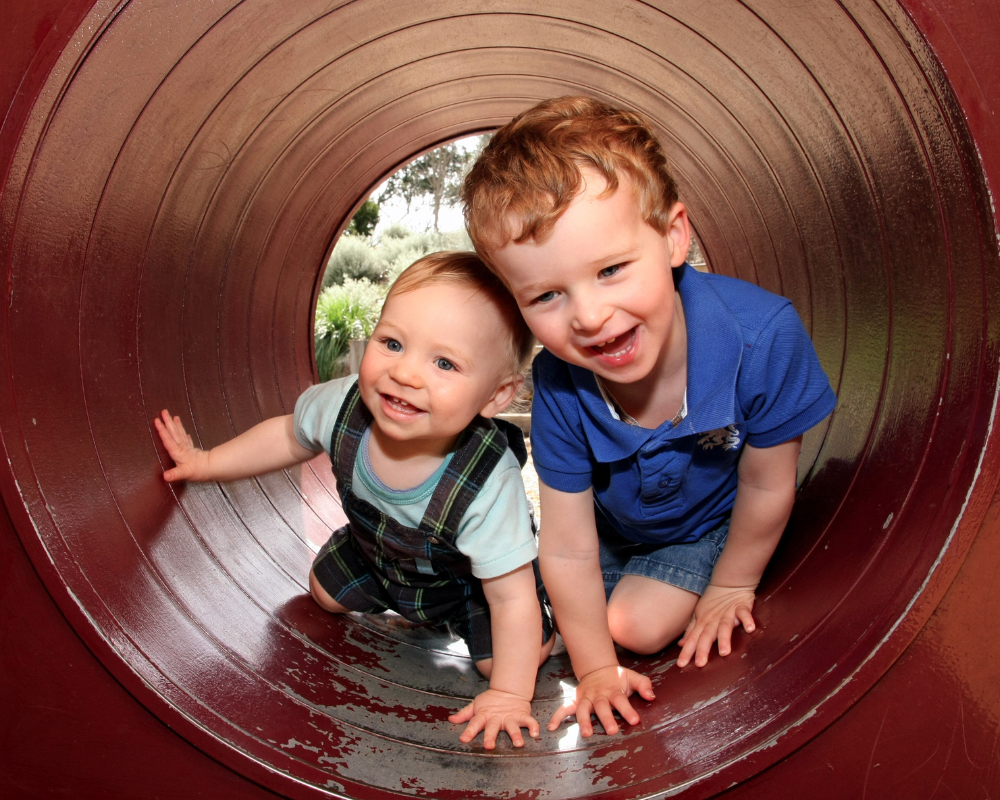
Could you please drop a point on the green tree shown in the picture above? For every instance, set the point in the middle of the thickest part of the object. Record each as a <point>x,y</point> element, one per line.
<point>364,222</point>
<point>437,175</point>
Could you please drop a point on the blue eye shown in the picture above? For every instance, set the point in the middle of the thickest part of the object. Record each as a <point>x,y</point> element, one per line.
<point>393,346</point>
<point>546,297</point>
<point>607,272</point>
<point>444,363</point>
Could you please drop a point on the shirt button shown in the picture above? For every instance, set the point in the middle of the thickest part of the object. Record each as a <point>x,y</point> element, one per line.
<point>433,539</point>
<point>664,483</point>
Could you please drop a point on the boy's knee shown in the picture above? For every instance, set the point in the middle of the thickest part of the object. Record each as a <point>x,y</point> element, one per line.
<point>485,667</point>
<point>630,632</point>
<point>636,630</point>
<point>547,648</point>
<point>322,596</point>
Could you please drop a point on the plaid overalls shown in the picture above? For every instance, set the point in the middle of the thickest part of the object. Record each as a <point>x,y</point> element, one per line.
<point>374,563</point>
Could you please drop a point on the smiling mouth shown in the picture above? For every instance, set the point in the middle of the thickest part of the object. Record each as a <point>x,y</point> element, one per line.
<point>400,406</point>
<point>616,346</point>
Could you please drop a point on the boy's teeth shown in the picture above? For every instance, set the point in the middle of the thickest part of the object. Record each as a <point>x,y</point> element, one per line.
<point>626,342</point>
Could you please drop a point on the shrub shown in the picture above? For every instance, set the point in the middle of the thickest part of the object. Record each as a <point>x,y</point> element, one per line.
<point>396,231</point>
<point>396,251</point>
<point>353,257</point>
<point>397,247</point>
<point>344,312</point>
<point>357,278</point>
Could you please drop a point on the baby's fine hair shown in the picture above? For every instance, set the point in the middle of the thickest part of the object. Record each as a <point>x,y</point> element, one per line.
<point>529,173</point>
<point>467,269</point>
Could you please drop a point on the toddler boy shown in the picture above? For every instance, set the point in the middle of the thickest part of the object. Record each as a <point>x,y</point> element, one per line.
<point>669,406</point>
<point>439,526</point>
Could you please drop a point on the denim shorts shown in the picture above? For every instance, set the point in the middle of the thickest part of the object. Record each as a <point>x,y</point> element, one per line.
<point>687,566</point>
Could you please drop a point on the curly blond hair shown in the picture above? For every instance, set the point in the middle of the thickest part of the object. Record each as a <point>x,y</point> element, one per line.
<point>530,171</point>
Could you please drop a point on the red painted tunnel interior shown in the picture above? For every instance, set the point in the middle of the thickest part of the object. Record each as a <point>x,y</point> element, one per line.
<point>176,174</point>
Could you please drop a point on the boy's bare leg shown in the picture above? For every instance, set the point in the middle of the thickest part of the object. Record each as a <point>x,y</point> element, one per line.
<point>322,596</point>
<point>485,666</point>
<point>646,615</point>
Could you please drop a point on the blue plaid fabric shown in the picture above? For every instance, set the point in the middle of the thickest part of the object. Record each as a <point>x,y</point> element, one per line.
<point>375,564</point>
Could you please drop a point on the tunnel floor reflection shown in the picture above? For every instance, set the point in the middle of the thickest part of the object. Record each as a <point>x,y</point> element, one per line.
<point>184,169</point>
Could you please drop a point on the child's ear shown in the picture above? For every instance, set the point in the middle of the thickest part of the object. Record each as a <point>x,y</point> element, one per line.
<point>678,234</point>
<point>503,396</point>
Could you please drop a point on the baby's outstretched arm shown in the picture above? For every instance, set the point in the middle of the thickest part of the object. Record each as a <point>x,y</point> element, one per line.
<point>764,497</point>
<point>516,626</point>
<point>571,568</point>
<point>267,446</point>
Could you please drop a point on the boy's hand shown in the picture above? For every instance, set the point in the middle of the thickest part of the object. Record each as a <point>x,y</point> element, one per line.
<point>718,612</point>
<point>493,711</point>
<point>602,692</point>
<point>190,460</point>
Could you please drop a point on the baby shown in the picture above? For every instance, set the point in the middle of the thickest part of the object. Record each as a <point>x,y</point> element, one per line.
<point>439,525</point>
<point>669,406</point>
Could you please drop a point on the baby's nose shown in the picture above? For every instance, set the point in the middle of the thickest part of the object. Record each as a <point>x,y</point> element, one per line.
<point>405,372</point>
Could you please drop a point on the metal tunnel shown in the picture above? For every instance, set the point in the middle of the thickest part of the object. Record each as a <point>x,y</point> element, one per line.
<point>173,176</point>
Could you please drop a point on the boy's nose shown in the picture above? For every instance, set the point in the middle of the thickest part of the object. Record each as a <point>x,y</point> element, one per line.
<point>589,315</point>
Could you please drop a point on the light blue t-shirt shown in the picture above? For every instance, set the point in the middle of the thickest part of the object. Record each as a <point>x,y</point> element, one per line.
<point>495,533</point>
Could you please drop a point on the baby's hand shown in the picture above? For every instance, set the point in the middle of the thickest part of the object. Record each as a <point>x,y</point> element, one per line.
<point>602,692</point>
<point>493,711</point>
<point>718,612</point>
<point>189,459</point>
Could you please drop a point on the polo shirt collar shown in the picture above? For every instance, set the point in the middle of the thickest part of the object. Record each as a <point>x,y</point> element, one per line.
<point>715,351</point>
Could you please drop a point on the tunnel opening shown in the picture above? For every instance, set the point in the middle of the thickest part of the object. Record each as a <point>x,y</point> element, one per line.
<point>170,198</point>
<point>414,211</point>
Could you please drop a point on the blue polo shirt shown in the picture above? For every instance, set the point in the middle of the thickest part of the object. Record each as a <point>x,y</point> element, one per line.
<point>753,376</point>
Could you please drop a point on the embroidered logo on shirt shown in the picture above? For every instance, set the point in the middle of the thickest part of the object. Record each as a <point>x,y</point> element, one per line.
<point>728,438</point>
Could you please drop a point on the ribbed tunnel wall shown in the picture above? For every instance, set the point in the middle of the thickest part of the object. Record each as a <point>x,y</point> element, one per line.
<point>179,178</point>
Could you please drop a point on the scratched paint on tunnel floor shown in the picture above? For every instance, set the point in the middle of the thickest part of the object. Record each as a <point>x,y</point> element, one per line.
<point>811,141</point>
